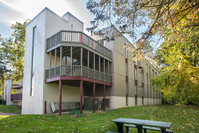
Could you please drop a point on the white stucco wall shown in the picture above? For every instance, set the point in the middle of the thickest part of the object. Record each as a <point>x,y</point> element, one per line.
<point>47,23</point>
<point>117,102</point>
<point>131,101</point>
<point>74,23</point>
<point>33,104</point>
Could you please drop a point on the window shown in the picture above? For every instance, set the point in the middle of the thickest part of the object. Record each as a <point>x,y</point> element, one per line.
<point>125,51</point>
<point>142,75</point>
<point>33,62</point>
<point>135,70</point>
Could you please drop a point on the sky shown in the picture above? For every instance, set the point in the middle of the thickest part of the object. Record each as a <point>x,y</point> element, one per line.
<point>12,11</point>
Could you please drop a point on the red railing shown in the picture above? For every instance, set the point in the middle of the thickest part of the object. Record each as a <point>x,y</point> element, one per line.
<point>126,60</point>
<point>16,97</point>
<point>127,78</point>
<point>136,82</point>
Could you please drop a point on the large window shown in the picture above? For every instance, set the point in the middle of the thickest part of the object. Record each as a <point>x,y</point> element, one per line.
<point>33,62</point>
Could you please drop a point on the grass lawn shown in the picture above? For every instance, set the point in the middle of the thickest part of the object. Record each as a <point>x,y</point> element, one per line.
<point>9,109</point>
<point>185,119</point>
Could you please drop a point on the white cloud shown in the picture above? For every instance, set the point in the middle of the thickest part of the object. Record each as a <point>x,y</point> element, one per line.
<point>13,11</point>
<point>9,15</point>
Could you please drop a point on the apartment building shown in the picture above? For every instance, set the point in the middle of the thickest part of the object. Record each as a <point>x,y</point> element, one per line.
<point>62,64</point>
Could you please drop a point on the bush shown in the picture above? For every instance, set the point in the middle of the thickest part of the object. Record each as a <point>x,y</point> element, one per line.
<point>2,102</point>
<point>76,113</point>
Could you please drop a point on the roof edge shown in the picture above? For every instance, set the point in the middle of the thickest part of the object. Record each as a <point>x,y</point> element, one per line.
<point>73,16</point>
<point>46,8</point>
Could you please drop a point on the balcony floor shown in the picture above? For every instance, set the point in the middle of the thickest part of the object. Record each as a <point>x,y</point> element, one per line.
<point>72,80</point>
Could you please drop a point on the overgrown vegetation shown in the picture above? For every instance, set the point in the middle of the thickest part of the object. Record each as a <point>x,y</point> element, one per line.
<point>184,119</point>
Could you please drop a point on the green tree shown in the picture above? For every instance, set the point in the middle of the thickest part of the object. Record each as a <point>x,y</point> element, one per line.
<point>152,16</point>
<point>177,22</point>
<point>178,60</point>
<point>12,53</point>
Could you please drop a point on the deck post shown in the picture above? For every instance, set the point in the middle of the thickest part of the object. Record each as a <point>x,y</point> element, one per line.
<point>94,64</point>
<point>88,62</point>
<point>55,61</point>
<point>55,57</point>
<point>99,68</point>
<point>50,63</point>
<point>104,97</point>
<point>60,96</point>
<point>81,92</point>
<point>50,59</point>
<point>81,58</point>
<point>45,106</point>
<point>94,97</point>
<point>104,69</point>
<point>71,56</point>
<point>108,68</point>
<point>60,62</point>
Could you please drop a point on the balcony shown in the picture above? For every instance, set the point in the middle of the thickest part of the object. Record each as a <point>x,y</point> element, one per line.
<point>75,37</point>
<point>77,70</point>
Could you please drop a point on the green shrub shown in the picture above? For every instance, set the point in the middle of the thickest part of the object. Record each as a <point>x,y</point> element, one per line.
<point>76,113</point>
<point>2,102</point>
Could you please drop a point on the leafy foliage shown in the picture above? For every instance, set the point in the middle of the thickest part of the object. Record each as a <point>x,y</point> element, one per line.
<point>76,113</point>
<point>177,22</point>
<point>12,54</point>
<point>152,16</point>
<point>178,58</point>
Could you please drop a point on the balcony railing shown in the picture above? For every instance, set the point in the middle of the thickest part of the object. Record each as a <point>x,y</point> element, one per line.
<point>75,70</point>
<point>16,97</point>
<point>77,37</point>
